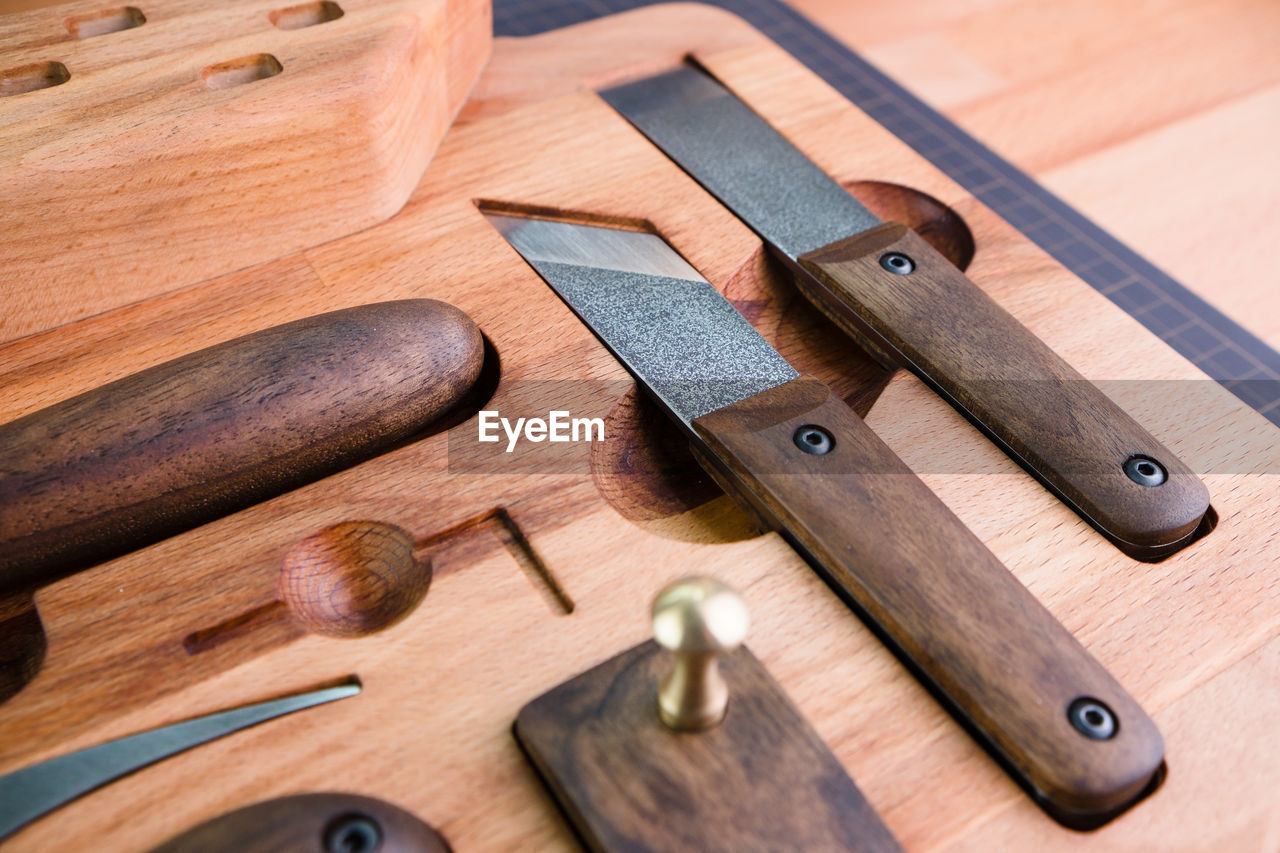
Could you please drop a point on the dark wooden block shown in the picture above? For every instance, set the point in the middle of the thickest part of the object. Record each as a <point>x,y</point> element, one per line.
<point>761,780</point>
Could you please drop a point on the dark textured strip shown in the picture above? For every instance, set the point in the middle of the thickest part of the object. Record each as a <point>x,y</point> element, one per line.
<point>1201,333</point>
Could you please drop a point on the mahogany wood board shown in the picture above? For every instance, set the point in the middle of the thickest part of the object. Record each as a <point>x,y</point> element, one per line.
<point>514,547</point>
<point>147,169</point>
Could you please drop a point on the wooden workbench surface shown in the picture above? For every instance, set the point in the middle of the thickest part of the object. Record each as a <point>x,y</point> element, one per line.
<point>1157,120</point>
<point>1196,638</point>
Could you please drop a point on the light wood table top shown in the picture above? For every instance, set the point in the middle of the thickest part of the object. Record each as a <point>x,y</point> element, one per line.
<point>1140,114</point>
<point>1158,120</point>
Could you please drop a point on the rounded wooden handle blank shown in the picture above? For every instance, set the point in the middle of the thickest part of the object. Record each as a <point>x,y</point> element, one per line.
<point>209,433</point>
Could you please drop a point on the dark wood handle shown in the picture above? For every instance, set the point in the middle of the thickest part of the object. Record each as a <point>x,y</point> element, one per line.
<point>211,432</point>
<point>1059,426</point>
<point>891,546</point>
<point>311,823</point>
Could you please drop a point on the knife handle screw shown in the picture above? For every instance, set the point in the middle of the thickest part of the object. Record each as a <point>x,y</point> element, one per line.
<point>1145,471</point>
<point>814,439</point>
<point>352,833</point>
<point>1092,719</point>
<point>897,263</point>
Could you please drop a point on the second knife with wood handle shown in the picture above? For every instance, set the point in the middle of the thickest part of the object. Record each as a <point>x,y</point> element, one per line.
<point>909,307</point>
<point>787,447</point>
<point>206,434</point>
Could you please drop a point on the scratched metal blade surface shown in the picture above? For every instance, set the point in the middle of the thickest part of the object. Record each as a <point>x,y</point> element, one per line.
<point>659,317</point>
<point>734,153</point>
<point>33,791</point>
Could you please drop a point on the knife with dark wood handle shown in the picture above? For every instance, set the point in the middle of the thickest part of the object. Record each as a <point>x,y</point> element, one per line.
<point>214,431</point>
<point>938,323</point>
<point>908,306</point>
<point>896,552</point>
<point>798,456</point>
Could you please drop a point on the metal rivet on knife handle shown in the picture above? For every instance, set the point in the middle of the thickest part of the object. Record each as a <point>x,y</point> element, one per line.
<point>814,439</point>
<point>1145,471</point>
<point>897,263</point>
<point>1092,718</point>
<point>353,833</point>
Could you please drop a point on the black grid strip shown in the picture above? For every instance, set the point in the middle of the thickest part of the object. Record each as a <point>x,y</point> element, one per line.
<point>1201,333</point>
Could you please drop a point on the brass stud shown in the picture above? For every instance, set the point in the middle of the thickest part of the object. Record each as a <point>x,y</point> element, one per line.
<point>697,619</point>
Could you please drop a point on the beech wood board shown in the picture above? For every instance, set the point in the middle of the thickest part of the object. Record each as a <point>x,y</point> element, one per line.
<point>540,571</point>
<point>190,139</point>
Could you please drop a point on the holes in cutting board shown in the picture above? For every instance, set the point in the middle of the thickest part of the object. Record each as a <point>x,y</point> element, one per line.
<point>104,21</point>
<point>32,77</point>
<point>939,225</point>
<point>306,15</point>
<point>236,72</point>
<point>22,643</point>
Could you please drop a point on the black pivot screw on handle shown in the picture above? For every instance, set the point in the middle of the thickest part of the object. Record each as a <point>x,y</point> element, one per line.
<point>814,439</point>
<point>352,833</point>
<point>1145,471</point>
<point>897,263</point>
<point>1092,719</point>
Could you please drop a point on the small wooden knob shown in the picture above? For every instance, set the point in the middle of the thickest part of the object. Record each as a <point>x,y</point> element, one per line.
<point>697,618</point>
<point>353,578</point>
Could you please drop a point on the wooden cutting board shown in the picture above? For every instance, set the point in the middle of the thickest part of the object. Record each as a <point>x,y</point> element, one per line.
<point>545,565</point>
<point>143,150</point>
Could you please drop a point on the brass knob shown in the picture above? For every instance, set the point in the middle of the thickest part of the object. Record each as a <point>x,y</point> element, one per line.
<point>697,618</point>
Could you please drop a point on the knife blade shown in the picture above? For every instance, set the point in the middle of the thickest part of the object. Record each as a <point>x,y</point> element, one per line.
<point>909,307</point>
<point>795,453</point>
<point>34,791</point>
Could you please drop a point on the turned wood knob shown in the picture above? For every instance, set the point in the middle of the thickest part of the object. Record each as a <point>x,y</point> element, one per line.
<point>697,618</point>
<point>353,578</point>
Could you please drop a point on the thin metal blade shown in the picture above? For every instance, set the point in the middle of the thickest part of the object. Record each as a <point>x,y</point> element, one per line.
<point>658,316</point>
<point>28,793</point>
<point>750,167</point>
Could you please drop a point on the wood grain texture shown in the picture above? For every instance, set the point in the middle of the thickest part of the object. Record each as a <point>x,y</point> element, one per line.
<point>310,822</point>
<point>888,544</point>
<point>1055,423</point>
<point>222,428</point>
<point>431,731</point>
<point>761,779</point>
<point>1118,110</point>
<point>148,151</point>
<point>354,578</point>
